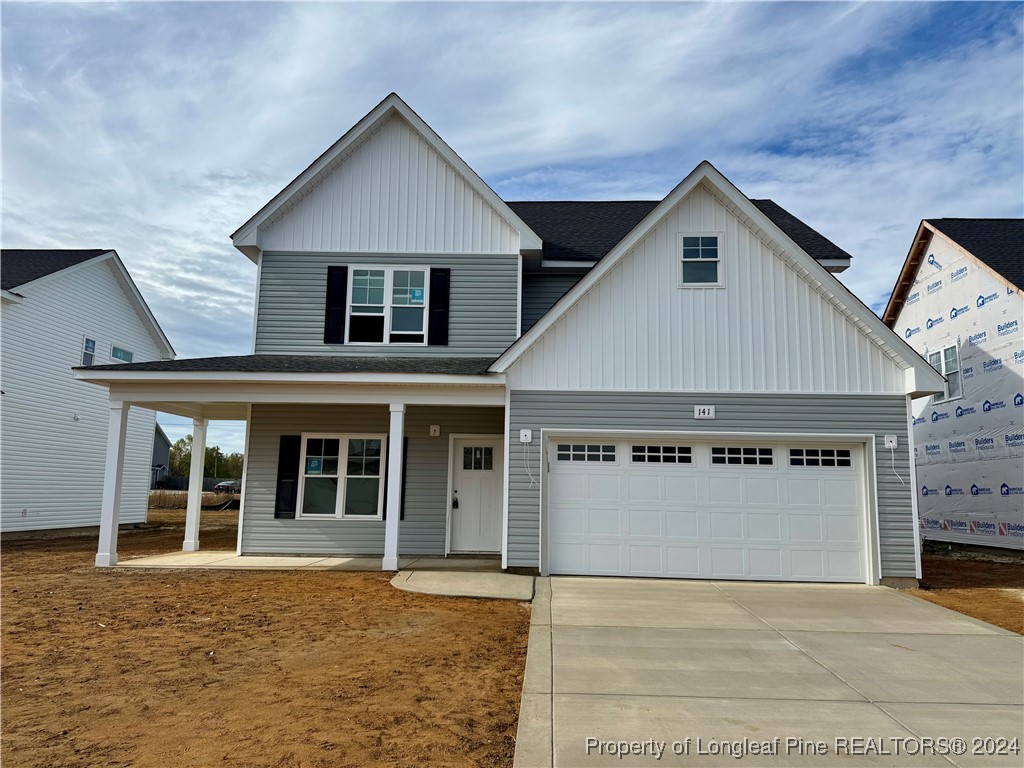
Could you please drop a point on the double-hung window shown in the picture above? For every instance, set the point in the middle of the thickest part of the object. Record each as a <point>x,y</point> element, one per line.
<point>947,362</point>
<point>342,477</point>
<point>89,351</point>
<point>701,259</point>
<point>388,305</point>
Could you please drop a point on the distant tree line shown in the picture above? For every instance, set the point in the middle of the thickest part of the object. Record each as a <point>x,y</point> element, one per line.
<point>217,464</point>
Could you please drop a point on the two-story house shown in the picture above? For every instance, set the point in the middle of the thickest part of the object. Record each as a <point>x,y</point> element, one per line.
<point>60,309</point>
<point>674,388</point>
<point>958,301</point>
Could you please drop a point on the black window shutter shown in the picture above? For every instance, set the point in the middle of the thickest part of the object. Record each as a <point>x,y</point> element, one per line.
<point>440,290</point>
<point>405,467</point>
<point>334,314</point>
<point>288,455</point>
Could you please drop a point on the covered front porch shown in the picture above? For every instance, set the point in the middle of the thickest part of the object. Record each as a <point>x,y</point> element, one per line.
<point>342,470</point>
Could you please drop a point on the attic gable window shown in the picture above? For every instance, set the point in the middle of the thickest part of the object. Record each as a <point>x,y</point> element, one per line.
<point>700,256</point>
<point>387,305</point>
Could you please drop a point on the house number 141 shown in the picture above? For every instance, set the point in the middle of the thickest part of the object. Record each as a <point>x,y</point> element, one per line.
<point>703,411</point>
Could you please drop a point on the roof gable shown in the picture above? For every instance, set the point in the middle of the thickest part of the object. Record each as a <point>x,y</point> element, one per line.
<point>73,260</point>
<point>998,245</point>
<point>456,179</point>
<point>824,284</point>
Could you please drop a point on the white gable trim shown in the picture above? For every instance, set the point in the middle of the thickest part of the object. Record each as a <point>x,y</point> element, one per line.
<point>130,289</point>
<point>247,237</point>
<point>923,379</point>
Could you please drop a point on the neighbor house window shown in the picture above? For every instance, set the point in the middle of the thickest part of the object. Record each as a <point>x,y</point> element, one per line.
<point>947,362</point>
<point>120,354</point>
<point>700,259</point>
<point>342,476</point>
<point>89,352</point>
<point>387,305</point>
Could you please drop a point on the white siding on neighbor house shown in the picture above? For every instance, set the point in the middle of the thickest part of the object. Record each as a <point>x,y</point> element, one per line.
<point>766,330</point>
<point>293,288</point>
<point>51,464</point>
<point>969,451</point>
<point>393,193</point>
<point>422,531</point>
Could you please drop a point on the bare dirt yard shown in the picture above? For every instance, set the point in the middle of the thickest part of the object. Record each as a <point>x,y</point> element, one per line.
<point>200,668</point>
<point>986,586</point>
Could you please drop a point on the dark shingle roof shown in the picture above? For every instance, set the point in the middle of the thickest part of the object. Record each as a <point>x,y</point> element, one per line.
<point>19,266</point>
<point>581,231</point>
<point>999,243</point>
<point>586,231</point>
<point>813,242</point>
<point>310,364</point>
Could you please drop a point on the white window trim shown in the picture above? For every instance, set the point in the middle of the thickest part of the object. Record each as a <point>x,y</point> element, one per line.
<point>123,349</point>
<point>719,261</point>
<point>83,350</point>
<point>944,373</point>
<point>389,281</point>
<point>339,504</point>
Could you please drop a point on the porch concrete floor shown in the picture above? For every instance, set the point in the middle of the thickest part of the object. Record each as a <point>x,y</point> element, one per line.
<point>459,576</point>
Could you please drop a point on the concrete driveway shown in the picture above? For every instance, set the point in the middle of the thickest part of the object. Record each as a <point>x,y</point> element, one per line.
<point>712,673</point>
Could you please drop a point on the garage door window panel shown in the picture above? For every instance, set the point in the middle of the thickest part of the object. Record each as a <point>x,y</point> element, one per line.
<point>820,457</point>
<point>585,452</point>
<point>662,454</point>
<point>742,456</point>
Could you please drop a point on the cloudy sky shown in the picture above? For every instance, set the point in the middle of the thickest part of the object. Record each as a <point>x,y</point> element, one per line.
<point>156,129</point>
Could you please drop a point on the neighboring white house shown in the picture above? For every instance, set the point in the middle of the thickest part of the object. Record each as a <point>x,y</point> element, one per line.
<point>61,309</point>
<point>959,303</point>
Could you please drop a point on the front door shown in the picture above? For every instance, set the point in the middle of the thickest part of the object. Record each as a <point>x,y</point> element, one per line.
<point>476,494</point>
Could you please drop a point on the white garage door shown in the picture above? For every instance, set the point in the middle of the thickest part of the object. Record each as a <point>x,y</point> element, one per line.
<point>720,509</point>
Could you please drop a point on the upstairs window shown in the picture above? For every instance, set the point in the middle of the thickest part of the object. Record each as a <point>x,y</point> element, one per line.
<point>387,305</point>
<point>701,259</point>
<point>116,353</point>
<point>89,351</point>
<point>947,362</point>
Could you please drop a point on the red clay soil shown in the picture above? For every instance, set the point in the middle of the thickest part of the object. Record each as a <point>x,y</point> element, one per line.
<point>986,587</point>
<point>196,668</point>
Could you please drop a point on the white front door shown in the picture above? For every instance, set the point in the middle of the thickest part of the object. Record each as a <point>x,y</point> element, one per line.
<point>477,466</point>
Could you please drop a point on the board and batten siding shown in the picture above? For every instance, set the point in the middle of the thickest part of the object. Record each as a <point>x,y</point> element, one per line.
<point>293,289</point>
<point>51,465</point>
<point>391,193</point>
<point>766,330</point>
<point>541,291</point>
<point>422,532</point>
<point>664,411</point>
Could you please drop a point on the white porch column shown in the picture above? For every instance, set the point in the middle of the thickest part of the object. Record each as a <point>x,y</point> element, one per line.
<point>195,485</point>
<point>394,500</point>
<point>113,473</point>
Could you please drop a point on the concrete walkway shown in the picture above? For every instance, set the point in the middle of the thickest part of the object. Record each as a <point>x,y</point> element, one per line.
<point>661,662</point>
<point>451,576</point>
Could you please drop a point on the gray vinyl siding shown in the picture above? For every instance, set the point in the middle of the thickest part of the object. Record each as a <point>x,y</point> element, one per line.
<point>422,532</point>
<point>292,292</point>
<point>641,411</point>
<point>540,292</point>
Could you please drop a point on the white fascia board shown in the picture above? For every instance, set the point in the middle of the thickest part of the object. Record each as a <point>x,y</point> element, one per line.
<point>246,237</point>
<point>816,274</point>
<point>249,377</point>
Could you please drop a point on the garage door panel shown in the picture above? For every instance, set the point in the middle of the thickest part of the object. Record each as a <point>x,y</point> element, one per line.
<point>681,524</point>
<point>727,525</point>
<point>699,520</point>
<point>644,522</point>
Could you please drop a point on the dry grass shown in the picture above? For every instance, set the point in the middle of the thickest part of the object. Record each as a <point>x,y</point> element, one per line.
<point>179,499</point>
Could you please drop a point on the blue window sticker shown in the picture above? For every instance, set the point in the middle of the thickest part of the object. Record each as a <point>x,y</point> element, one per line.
<point>313,466</point>
<point>416,295</point>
